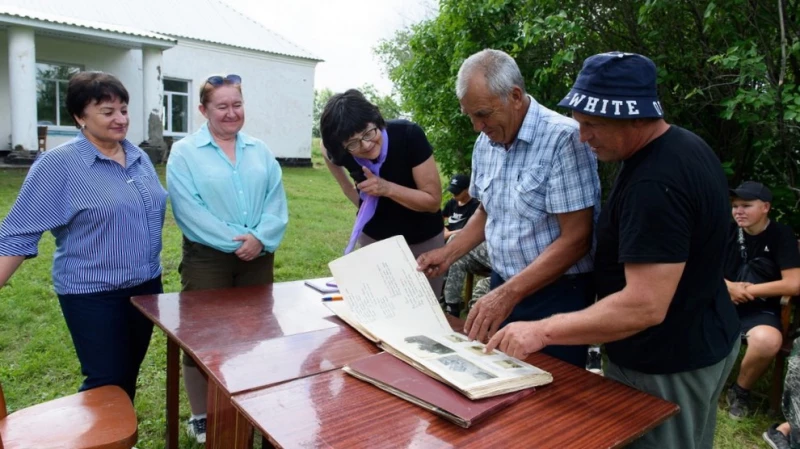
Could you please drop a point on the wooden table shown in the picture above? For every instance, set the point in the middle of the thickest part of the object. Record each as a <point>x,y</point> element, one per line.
<point>334,410</point>
<point>245,339</point>
<point>272,356</point>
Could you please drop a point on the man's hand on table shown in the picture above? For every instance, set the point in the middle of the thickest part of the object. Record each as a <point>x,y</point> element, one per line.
<point>519,339</point>
<point>488,314</point>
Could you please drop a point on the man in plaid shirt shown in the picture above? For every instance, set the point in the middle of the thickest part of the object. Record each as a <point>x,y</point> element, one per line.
<point>540,196</point>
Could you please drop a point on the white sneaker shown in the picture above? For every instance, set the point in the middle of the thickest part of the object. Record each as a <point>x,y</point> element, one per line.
<point>197,429</point>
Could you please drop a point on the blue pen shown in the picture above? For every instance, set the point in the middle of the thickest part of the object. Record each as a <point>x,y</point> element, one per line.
<point>332,298</point>
<point>331,284</point>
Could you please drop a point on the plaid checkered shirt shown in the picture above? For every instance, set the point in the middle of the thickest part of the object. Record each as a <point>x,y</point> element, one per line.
<point>546,171</point>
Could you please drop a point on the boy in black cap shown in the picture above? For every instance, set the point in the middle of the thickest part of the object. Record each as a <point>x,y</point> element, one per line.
<point>669,325</point>
<point>761,265</point>
<point>460,207</point>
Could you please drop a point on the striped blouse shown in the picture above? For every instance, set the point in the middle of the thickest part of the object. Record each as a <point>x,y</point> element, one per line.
<point>106,219</point>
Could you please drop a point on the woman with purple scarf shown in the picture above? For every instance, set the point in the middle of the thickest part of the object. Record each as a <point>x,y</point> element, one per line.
<point>395,183</point>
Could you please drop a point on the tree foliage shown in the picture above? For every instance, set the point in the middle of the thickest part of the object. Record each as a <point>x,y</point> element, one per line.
<point>321,97</point>
<point>728,70</point>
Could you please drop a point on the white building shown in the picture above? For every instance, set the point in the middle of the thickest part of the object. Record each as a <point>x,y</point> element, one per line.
<point>162,51</point>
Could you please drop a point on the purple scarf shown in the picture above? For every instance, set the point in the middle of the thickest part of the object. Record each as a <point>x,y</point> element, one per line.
<point>368,202</point>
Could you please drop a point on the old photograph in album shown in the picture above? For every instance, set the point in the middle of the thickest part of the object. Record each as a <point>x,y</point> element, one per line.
<point>388,300</point>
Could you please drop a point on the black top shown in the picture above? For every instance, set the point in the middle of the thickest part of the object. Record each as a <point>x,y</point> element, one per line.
<point>408,147</point>
<point>458,215</point>
<point>777,242</point>
<point>670,204</point>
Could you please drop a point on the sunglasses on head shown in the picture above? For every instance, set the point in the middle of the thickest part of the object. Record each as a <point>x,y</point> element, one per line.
<point>217,80</point>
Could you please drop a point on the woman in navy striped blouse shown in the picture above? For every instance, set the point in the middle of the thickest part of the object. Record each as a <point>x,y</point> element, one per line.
<point>101,198</point>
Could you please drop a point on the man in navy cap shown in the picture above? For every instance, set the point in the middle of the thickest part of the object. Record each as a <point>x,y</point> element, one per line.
<point>669,325</point>
<point>761,265</point>
<point>539,193</point>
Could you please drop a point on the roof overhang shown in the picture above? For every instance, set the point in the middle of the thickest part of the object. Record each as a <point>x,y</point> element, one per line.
<point>82,30</point>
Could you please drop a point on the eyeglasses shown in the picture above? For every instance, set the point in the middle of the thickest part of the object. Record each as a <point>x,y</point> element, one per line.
<point>217,80</point>
<point>368,136</point>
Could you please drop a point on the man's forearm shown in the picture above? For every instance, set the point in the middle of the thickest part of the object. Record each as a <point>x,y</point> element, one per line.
<point>643,303</point>
<point>612,319</point>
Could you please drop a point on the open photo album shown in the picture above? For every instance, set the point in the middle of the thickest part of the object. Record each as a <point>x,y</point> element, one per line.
<point>388,301</point>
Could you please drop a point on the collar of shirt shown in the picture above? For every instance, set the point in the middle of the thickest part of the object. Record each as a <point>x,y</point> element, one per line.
<point>89,153</point>
<point>528,127</point>
<point>203,138</point>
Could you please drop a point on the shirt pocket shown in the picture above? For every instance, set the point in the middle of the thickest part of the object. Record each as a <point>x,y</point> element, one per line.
<point>531,193</point>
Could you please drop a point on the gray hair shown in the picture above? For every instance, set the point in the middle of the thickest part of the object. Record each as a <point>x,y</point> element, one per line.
<point>499,69</point>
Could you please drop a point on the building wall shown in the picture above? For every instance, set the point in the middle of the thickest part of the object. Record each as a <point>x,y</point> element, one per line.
<point>5,101</point>
<point>278,91</point>
<point>125,64</point>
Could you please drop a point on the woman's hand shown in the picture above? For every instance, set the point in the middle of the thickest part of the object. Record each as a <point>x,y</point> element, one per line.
<point>374,185</point>
<point>250,249</point>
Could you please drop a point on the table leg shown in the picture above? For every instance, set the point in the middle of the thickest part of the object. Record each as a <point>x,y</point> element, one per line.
<point>226,427</point>
<point>173,358</point>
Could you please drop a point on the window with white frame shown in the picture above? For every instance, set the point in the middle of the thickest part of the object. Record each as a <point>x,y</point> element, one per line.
<point>175,112</point>
<point>51,93</point>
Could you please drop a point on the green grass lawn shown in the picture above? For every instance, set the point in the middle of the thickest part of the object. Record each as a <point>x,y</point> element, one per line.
<point>37,360</point>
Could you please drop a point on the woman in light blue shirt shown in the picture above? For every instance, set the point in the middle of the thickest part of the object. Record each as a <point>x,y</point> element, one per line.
<point>228,199</point>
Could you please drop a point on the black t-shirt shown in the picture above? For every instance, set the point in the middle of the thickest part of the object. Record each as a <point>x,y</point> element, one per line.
<point>458,215</point>
<point>777,242</point>
<point>670,204</point>
<point>408,147</point>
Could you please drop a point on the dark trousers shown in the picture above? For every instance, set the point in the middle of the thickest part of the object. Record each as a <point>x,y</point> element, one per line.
<point>569,293</point>
<point>110,335</point>
<point>203,268</point>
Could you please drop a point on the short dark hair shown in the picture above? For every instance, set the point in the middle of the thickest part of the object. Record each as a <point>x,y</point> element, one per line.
<point>86,87</point>
<point>344,115</point>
